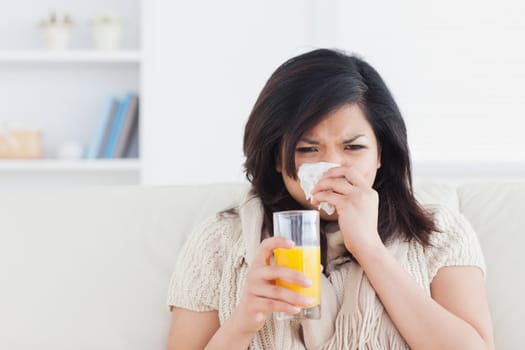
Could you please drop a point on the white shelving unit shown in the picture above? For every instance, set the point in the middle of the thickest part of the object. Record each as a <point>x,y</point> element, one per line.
<point>72,56</point>
<point>62,92</point>
<point>55,165</point>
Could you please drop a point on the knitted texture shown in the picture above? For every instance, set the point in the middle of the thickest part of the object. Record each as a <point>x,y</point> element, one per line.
<point>211,270</point>
<point>195,280</point>
<point>456,245</point>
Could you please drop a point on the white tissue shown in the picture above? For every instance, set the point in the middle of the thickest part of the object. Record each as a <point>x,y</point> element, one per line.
<point>309,174</point>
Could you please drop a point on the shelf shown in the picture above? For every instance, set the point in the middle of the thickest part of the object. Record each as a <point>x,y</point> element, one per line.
<point>56,165</point>
<point>72,56</point>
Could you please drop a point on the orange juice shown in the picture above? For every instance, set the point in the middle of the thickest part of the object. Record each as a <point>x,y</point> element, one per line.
<point>306,260</point>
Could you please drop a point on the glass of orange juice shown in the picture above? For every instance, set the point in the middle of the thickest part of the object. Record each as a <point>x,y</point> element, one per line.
<point>302,227</point>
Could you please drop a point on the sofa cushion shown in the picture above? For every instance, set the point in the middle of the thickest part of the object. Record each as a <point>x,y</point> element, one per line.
<point>89,269</point>
<point>436,193</point>
<point>497,213</point>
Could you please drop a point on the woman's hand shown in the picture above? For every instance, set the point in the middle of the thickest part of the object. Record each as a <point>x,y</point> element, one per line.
<point>261,296</point>
<point>357,207</point>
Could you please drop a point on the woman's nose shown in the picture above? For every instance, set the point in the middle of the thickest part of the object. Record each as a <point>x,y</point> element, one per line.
<point>335,157</point>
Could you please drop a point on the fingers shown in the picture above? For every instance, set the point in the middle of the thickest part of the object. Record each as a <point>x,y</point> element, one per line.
<point>260,282</point>
<point>262,295</point>
<point>266,305</point>
<point>351,174</point>
<point>265,250</point>
<point>336,183</point>
<point>333,198</point>
<point>340,195</point>
<point>281,294</point>
<point>274,272</point>
<point>339,185</point>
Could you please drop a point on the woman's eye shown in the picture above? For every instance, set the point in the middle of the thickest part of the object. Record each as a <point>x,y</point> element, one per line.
<point>354,147</point>
<point>306,149</point>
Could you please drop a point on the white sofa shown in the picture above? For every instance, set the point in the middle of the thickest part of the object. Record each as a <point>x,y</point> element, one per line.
<point>88,269</point>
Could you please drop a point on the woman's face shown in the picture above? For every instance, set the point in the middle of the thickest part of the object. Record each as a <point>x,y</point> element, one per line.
<point>344,137</point>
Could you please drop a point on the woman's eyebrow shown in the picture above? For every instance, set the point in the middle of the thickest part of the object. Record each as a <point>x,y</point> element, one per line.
<point>313,142</point>
<point>353,138</point>
<point>310,141</point>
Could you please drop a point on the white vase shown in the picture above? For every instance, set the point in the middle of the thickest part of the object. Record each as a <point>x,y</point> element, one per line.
<point>107,36</point>
<point>56,36</point>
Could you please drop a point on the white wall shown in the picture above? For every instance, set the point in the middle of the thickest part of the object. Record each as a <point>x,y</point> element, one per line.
<point>204,68</point>
<point>455,69</point>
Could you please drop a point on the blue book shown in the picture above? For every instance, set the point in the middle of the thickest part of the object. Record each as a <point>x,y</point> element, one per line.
<point>107,131</point>
<point>116,128</point>
<point>103,123</point>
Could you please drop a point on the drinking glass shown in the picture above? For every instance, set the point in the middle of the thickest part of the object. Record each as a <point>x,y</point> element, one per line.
<point>302,227</point>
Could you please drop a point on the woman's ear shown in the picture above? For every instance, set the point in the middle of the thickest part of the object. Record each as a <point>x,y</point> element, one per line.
<point>278,165</point>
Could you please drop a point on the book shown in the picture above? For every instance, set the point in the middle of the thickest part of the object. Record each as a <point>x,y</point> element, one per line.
<point>116,127</point>
<point>103,123</point>
<point>132,150</point>
<point>107,130</point>
<point>129,125</point>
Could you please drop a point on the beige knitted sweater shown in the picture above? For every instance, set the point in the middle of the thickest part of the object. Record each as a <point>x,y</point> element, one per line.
<point>212,266</point>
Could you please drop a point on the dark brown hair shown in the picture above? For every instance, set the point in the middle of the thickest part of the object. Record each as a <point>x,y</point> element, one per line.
<point>298,95</point>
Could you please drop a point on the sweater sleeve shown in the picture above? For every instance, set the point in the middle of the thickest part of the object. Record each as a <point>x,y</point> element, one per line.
<point>198,269</point>
<point>455,243</point>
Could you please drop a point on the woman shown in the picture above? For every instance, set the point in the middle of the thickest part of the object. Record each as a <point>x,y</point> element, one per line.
<point>397,275</point>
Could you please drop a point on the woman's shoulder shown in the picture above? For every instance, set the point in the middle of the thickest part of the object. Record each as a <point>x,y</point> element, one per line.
<point>222,227</point>
<point>200,263</point>
<point>454,243</point>
<point>450,223</point>
<point>227,224</point>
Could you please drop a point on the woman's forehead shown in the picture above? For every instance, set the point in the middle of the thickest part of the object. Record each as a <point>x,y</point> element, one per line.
<point>344,123</point>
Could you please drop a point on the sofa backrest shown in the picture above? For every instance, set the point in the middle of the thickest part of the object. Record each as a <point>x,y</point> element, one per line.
<point>89,269</point>
<point>497,212</point>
